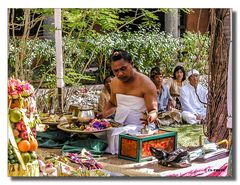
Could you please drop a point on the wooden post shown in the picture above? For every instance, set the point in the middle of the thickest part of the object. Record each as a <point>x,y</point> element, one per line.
<point>59,58</point>
<point>171,23</point>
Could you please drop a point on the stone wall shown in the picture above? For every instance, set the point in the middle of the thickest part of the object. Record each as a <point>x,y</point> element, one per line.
<point>78,96</point>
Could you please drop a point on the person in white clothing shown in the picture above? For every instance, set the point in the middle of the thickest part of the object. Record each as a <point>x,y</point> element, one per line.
<point>132,94</point>
<point>193,98</point>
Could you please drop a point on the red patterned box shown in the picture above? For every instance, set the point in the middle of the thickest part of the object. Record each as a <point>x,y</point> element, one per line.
<point>137,148</point>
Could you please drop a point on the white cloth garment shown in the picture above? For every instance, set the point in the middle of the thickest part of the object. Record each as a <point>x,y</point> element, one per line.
<point>191,104</point>
<point>192,72</point>
<point>128,112</point>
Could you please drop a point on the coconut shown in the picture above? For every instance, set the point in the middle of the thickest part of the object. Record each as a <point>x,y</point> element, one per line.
<point>15,115</point>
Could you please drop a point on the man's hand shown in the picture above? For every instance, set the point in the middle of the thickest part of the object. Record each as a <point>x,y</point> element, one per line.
<point>171,105</point>
<point>148,117</point>
<point>143,118</point>
<point>198,116</point>
<point>152,116</point>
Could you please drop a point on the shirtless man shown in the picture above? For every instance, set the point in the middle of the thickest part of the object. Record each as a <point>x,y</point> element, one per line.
<point>132,93</point>
<point>128,81</point>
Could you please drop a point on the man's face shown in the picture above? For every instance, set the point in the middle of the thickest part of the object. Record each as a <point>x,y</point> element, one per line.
<point>108,82</point>
<point>194,80</point>
<point>158,79</point>
<point>123,70</point>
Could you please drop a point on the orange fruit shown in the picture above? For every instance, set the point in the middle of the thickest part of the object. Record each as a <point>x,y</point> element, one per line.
<point>33,145</point>
<point>24,145</point>
<point>15,103</point>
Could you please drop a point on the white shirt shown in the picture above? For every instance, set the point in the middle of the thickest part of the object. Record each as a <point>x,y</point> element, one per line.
<point>190,101</point>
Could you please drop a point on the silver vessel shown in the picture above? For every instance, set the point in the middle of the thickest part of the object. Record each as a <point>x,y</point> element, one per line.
<point>85,115</point>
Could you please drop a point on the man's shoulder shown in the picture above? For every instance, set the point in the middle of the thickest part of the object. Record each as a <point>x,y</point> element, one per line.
<point>144,78</point>
<point>185,86</point>
<point>145,83</point>
<point>114,80</point>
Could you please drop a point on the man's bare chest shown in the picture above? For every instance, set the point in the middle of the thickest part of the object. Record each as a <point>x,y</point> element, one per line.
<point>132,89</point>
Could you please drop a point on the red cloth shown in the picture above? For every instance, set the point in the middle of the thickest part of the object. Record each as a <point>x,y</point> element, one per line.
<point>217,168</point>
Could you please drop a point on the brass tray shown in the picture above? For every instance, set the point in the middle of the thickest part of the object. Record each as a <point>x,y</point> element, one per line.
<point>45,121</point>
<point>62,126</point>
<point>52,123</point>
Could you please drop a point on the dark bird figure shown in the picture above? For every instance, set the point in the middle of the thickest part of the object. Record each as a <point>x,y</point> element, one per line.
<point>177,158</point>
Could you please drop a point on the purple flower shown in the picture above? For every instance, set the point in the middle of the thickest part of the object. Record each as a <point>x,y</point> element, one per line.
<point>96,124</point>
<point>88,154</point>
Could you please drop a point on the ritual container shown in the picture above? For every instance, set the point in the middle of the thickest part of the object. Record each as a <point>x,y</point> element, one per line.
<point>137,148</point>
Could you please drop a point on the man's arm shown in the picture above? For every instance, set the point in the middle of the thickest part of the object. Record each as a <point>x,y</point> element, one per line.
<point>150,98</point>
<point>101,102</point>
<point>171,102</point>
<point>108,110</point>
<point>110,106</point>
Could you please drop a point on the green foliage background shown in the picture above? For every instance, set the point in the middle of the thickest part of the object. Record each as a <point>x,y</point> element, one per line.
<point>84,47</point>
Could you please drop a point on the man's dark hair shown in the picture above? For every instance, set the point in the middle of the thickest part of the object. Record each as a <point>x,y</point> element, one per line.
<point>155,71</point>
<point>120,54</point>
<point>177,69</point>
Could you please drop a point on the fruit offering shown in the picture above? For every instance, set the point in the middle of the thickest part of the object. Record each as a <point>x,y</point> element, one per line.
<point>22,121</point>
<point>18,88</point>
<point>12,157</point>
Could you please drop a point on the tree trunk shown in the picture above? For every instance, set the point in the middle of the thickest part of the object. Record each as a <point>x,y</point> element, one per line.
<point>218,72</point>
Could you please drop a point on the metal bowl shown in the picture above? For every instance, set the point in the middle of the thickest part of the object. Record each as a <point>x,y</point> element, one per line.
<point>85,115</point>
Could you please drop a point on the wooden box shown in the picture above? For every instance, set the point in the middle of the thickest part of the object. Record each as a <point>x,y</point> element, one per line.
<point>137,148</point>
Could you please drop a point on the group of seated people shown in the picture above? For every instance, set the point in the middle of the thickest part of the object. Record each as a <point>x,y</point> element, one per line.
<point>182,93</point>
<point>188,97</point>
